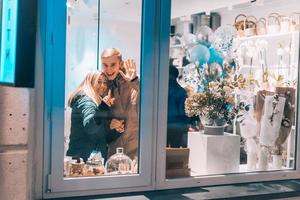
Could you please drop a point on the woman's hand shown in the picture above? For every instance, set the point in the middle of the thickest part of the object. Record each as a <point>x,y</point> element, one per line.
<point>130,70</point>
<point>108,99</point>
<point>118,125</point>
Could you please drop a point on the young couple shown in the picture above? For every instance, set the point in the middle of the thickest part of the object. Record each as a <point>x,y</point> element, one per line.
<point>105,109</point>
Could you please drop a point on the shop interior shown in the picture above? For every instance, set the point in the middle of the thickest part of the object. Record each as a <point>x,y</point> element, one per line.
<point>216,42</point>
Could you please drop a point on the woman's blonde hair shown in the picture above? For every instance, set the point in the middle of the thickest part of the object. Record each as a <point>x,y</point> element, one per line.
<point>106,53</point>
<point>87,87</point>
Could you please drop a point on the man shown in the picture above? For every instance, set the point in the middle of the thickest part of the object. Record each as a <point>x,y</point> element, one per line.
<point>177,120</point>
<point>124,84</point>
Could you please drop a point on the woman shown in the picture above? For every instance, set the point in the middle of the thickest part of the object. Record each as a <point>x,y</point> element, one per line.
<point>91,127</point>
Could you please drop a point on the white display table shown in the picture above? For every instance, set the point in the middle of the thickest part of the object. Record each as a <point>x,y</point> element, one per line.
<point>213,154</point>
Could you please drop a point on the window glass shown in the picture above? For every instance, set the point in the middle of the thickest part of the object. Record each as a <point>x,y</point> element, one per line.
<point>102,88</point>
<point>233,75</point>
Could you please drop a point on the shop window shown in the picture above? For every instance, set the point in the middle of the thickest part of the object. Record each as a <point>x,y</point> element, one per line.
<point>97,83</point>
<point>233,76</point>
<point>102,89</point>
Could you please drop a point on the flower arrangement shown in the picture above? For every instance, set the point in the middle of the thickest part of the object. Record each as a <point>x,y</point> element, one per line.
<point>212,73</point>
<point>215,103</point>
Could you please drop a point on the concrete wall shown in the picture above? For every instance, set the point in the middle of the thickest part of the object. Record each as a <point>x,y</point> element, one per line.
<point>16,136</point>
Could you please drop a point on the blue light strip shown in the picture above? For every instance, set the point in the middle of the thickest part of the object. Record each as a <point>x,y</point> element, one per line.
<point>8,40</point>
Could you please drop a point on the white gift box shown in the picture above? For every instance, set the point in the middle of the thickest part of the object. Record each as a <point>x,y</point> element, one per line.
<point>213,154</point>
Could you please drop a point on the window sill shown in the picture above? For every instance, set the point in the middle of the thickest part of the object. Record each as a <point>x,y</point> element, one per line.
<point>262,190</point>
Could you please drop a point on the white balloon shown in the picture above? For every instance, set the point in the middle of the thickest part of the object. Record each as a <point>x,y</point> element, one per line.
<point>204,33</point>
<point>189,39</point>
<point>224,39</point>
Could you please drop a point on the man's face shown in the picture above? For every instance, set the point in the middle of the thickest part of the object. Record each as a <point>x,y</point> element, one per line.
<point>111,66</point>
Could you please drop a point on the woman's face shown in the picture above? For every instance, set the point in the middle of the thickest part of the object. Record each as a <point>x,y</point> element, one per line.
<point>101,85</point>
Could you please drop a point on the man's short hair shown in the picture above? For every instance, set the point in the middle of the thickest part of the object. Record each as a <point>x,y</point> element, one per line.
<point>106,53</point>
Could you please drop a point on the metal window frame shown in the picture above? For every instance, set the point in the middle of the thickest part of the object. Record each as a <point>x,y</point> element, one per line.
<point>51,98</point>
<point>162,182</point>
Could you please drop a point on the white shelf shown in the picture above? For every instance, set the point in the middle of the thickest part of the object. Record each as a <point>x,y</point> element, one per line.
<point>269,67</point>
<point>242,169</point>
<point>176,46</point>
<point>269,36</point>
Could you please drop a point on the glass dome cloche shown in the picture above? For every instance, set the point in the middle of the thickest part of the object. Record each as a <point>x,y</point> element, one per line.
<point>119,163</point>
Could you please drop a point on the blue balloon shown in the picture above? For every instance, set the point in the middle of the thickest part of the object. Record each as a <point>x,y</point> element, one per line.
<point>215,56</point>
<point>199,53</point>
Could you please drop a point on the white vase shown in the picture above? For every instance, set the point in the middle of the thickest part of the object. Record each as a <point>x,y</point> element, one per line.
<point>213,127</point>
<point>214,130</point>
<point>277,161</point>
<point>251,161</point>
<point>263,159</point>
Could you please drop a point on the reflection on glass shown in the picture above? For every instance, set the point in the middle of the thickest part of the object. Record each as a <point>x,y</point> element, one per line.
<point>232,87</point>
<point>102,88</point>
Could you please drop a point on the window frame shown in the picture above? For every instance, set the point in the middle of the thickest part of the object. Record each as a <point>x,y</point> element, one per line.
<point>157,48</point>
<point>162,182</point>
<point>54,184</point>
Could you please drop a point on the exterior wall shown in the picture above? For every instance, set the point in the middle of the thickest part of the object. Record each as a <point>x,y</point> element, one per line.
<point>16,131</point>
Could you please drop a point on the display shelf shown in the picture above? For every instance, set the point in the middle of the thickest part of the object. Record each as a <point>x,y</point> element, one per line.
<point>272,67</point>
<point>243,168</point>
<point>176,46</point>
<point>269,36</point>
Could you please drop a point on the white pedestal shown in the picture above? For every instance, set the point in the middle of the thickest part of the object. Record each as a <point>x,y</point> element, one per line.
<point>213,154</point>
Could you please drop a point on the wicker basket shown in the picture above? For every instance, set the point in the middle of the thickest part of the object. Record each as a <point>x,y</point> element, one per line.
<point>294,21</point>
<point>261,26</point>
<point>250,27</point>
<point>273,23</point>
<point>240,23</point>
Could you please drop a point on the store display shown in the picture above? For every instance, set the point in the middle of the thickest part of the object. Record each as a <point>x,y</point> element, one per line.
<point>285,24</point>
<point>199,54</point>
<point>271,119</point>
<point>273,23</point>
<point>94,168</point>
<point>236,78</point>
<point>250,26</point>
<point>214,154</point>
<point>213,101</point>
<point>135,165</point>
<point>287,120</point>
<point>204,35</point>
<point>177,162</point>
<point>294,19</point>
<point>188,39</point>
<point>261,26</point>
<point>224,39</point>
<point>277,161</point>
<point>263,155</point>
<point>77,168</point>
<point>251,154</point>
<point>240,25</point>
<point>118,163</point>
